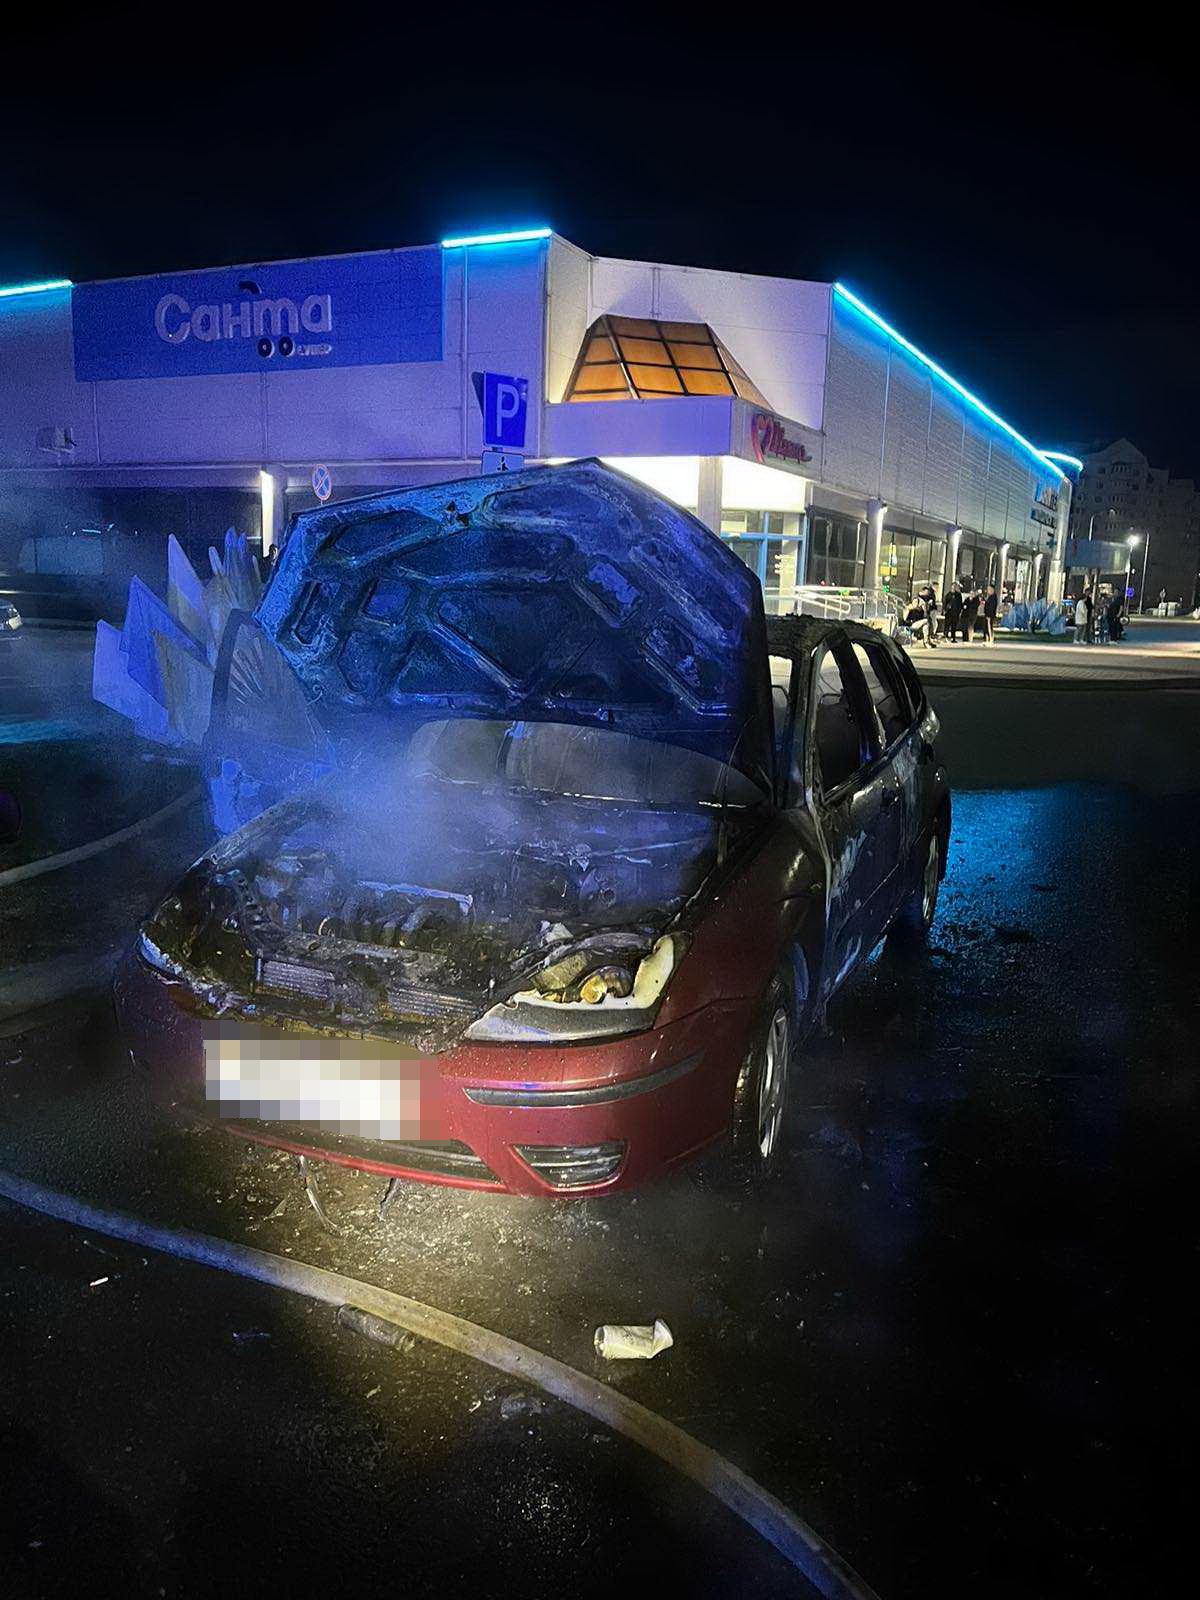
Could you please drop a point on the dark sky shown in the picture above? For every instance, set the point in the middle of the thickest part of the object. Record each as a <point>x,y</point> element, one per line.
<point>1021,202</point>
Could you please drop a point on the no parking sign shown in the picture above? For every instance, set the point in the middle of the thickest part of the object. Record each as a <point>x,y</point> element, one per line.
<point>322,482</point>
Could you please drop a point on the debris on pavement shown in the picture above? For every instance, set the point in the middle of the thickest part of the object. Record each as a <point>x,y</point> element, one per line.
<point>376,1329</point>
<point>521,1404</point>
<point>630,1342</point>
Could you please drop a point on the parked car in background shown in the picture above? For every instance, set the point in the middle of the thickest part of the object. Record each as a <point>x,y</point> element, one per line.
<point>592,844</point>
<point>10,619</point>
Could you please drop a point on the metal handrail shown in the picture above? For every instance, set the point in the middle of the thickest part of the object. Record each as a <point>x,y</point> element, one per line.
<point>837,605</point>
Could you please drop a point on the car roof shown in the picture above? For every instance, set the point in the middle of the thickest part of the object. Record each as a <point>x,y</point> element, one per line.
<point>798,637</point>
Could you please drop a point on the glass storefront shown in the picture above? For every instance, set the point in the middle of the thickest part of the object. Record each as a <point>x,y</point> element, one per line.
<point>907,561</point>
<point>771,543</point>
<point>977,564</point>
<point>837,550</point>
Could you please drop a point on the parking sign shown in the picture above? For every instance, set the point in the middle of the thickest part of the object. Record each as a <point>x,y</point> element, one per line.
<point>504,402</point>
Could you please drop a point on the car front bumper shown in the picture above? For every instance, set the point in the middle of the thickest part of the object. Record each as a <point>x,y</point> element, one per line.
<point>533,1120</point>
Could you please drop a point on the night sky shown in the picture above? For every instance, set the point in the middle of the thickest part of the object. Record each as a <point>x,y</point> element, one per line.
<point>1021,202</point>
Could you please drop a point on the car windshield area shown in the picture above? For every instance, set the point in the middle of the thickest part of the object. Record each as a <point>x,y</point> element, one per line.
<point>560,758</point>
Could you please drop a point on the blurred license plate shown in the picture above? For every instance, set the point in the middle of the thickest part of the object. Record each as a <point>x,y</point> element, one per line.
<point>373,1088</point>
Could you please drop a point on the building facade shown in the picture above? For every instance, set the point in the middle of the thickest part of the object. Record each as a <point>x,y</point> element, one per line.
<point>797,424</point>
<point>1120,497</point>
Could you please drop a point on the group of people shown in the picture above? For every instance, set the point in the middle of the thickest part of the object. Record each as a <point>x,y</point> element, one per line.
<point>966,605</point>
<point>1099,620</point>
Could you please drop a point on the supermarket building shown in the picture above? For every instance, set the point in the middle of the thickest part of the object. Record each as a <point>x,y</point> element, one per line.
<point>797,424</point>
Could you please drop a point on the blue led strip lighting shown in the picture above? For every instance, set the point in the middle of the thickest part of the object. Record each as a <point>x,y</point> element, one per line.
<point>11,290</point>
<point>517,237</point>
<point>965,394</point>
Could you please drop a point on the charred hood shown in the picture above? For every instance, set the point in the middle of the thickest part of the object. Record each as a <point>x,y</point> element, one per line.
<point>570,594</point>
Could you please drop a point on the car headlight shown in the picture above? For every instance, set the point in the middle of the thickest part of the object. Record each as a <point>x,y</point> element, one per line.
<point>600,996</point>
<point>155,956</point>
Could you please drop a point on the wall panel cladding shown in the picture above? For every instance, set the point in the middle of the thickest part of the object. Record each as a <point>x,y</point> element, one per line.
<point>944,463</point>
<point>906,437</point>
<point>972,483</point>
<point>1023,486</point>
<point>855,386</point>
<point>940,456</point>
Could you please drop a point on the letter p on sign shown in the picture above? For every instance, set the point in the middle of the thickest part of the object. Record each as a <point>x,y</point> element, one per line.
<point>504,402</point>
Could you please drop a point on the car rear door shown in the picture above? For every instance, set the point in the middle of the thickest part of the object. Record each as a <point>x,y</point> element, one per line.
<point>895,764</point>
<point>852,801</point>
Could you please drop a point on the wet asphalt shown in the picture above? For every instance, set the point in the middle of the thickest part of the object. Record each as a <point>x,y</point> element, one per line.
<point>952,1336</point>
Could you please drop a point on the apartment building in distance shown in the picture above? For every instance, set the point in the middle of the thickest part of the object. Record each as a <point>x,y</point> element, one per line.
<point>1119,495</point>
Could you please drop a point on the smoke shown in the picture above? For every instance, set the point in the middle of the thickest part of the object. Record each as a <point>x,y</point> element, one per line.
<point>69,552</point>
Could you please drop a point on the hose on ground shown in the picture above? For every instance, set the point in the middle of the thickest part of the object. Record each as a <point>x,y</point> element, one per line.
<point>824,1569</point>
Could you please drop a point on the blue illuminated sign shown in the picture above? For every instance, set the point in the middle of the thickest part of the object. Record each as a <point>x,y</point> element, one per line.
<point>504,402</point>
<point>340,311</point>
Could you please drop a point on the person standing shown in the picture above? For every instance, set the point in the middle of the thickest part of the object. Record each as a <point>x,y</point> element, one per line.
<point>1081,618</point>
<point>990,606</point>
<point>952,611</point>
<point>1089,601</point>
<point>970,612</point>
<point>1116,623</point>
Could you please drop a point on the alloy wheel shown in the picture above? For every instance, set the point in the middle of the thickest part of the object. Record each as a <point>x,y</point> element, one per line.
<point>772,1089</point>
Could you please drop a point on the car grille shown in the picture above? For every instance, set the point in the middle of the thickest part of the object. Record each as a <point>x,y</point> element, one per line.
<point>295,979</point>
<point>425,1005</point>
<point>443,1158</point>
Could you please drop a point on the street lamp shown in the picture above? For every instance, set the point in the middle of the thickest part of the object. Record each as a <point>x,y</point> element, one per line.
<point>1132,541</point>
<point>1136,539</point>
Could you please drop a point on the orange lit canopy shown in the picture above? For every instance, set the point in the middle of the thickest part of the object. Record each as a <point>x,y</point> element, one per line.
<point>640,358</point>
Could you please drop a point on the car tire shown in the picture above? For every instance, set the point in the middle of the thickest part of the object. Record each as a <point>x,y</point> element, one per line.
<point>760,1096</point>
<point>915,917</point>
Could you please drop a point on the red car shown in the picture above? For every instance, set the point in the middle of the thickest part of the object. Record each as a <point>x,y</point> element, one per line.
<point>565,845</point>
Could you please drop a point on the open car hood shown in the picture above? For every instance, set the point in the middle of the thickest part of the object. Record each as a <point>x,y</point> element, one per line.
<point>566,594</point>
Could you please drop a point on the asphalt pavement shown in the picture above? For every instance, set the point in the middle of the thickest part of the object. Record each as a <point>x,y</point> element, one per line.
<point>945,1337</point>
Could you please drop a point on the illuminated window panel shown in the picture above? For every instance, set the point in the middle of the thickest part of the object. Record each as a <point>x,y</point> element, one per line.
<point>694,355</point>
<point>706,382</point>
<point>655,360</point>
<point>655,380</point>
<point>689,332</point>
<point>602,375</point>
<point>653,351</point>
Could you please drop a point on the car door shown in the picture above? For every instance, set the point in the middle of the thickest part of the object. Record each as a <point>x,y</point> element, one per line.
<point>896,770</point>
<point>849,797</point>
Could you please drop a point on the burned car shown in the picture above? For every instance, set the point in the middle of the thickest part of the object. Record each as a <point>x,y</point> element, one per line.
<point>561,845</point>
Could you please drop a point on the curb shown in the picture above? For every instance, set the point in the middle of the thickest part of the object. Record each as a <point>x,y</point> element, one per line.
<point>997,680</point>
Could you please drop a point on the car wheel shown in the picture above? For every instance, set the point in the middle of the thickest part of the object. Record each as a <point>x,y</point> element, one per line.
<point>760,1097</point>
<point>915,917</point>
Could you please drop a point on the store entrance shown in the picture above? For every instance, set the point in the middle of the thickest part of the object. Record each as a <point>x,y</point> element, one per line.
<point>774,555</point>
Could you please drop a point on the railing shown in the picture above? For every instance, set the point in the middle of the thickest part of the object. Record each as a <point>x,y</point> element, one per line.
<point>873,606</point>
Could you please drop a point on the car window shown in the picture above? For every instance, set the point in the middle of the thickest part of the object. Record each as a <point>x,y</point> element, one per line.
<point>891,704</point>
<point>839,738</point>
<point>909,680</point>
<point>781,678</point>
